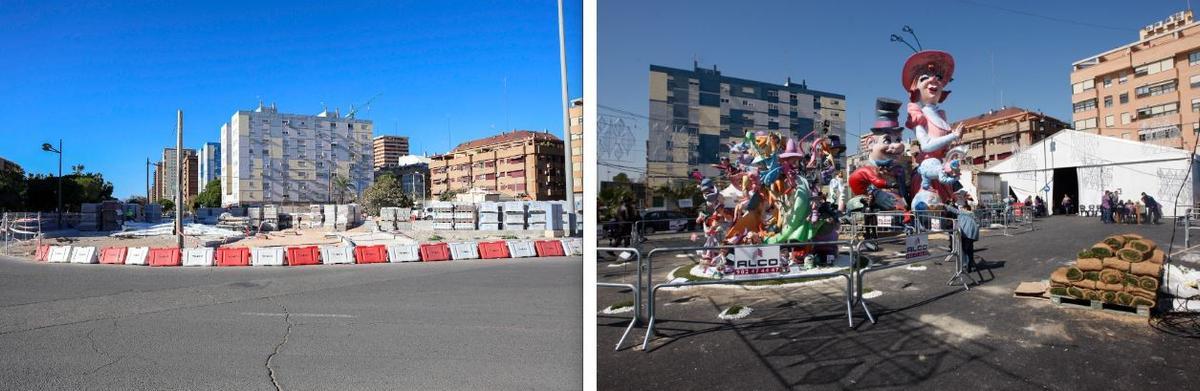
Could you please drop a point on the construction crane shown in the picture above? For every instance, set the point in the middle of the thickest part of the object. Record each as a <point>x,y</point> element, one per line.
<point>367,104</point>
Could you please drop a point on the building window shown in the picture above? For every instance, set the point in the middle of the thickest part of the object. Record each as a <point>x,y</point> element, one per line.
<point>1089,104</point>
<point>1108,121</point>
<point>1156,111</point>
<point>1159,133</point>
<point>1124,77</point>
<point>1195,105</point>
<point>1194,58</point>
<point>1108,101</point>
<point>1124,98</point>
<point>1155,89</point>
<point>1107,81</point>
<point>1087,123</point>
<point>1125,119</point>
<point>1194,81</point>
<point>1083,86</point>
<point>1154,67</point>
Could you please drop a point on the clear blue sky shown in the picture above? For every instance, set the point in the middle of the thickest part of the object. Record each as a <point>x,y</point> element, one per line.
<point>843,47</point>
<point>108,78</point>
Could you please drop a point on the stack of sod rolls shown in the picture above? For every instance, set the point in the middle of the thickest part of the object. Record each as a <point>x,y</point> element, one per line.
<point>1121,269</point>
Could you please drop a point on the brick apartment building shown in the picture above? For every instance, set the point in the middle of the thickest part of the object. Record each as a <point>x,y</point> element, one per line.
<point>521,164</point>
<point>164,176</point>
<point>1148,90</point>
<point>576,115</point>
<point>996,134</point>
<point>387,150</point>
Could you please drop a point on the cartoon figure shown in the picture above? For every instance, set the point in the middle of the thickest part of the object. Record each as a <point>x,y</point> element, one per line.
<point>881,175</point>
<point>925,76</point>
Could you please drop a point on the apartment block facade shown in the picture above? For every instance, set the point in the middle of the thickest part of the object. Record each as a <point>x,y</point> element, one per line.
<point>279,158</point>
<point>995,135</point>
<point>164,177</point>
<point>695,114</point>
<point>210,163</point>
<point>388,150</point>
<point>575,113</point>
<point>520,165</point>
<point>1148,90</point>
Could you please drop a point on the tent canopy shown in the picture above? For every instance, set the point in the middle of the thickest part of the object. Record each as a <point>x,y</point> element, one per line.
<point>1101,163</point>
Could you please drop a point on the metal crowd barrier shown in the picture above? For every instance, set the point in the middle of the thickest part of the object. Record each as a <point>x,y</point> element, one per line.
<point>651,304</point>
<point>923,224</point>
<point>635,287</point>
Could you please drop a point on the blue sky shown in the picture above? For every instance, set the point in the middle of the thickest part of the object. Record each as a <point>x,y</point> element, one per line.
<point>843,47</point>
<point>108,78</point>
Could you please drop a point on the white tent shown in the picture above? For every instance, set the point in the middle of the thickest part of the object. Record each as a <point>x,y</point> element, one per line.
<point>1084,165</point>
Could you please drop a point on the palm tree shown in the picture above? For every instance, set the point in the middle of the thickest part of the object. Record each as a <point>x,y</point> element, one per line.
<point>610,198</point>
<point>340,185</point>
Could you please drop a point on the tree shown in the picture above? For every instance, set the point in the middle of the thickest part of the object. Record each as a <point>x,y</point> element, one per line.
<point>41,193</point>
<point>448,195</point>
<point>210,197</point>
<point>167,205</point>
<point>610,198</point>
<point>12,190</point>
<point>341,185</point>
<point>621,178</point>
<point>140,200</point>
<point>385,192</point>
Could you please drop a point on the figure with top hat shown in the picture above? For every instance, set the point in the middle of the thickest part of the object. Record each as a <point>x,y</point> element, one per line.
<point>882,176</point>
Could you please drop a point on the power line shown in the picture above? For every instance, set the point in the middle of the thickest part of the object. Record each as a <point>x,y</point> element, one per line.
<point>1046,17</point>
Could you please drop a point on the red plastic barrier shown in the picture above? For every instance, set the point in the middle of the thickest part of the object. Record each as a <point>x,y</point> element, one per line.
<point>549,248</point>
<point>165,256</point>
<point>233,256</point>
<point>305,255</point>
<point>113,255</point>
<point>42,252</point>
<point>493,250</point>
<point>435,252</point>
<point>370,254</point>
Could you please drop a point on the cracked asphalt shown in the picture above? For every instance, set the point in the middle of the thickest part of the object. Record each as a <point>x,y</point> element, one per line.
<point>497,324</point>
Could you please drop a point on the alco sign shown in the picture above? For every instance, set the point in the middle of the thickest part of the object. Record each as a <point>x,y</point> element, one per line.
<point>756,262</point>
<point>916,246</point>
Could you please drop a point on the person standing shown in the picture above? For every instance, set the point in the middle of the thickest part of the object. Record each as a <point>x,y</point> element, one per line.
<point>1066,204</point>
<point>1106,207</point>
<point>837,191</point>
<point>1153,209</point>
<point>968,230</point>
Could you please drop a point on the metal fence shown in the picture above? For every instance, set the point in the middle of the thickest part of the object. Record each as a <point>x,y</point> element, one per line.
<point>886,228</point>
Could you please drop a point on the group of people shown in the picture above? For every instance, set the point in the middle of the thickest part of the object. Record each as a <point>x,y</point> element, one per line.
<point>1114,211</point>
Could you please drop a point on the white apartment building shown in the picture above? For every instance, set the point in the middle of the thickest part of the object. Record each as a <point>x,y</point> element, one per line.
<point>210,163</point>
<point>269,157</point>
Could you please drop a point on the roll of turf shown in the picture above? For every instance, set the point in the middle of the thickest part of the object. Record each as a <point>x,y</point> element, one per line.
<point>1074,274</point>
<point>1130,255</point>
<point>1084,284</point>
<point>1110,287</point>
<point>1101,250</point>
<point>1115,241</point>
<point>1075,292</point>
<point>1146,269</point>
<point>1089,264</point>
<point>1157,257</point>
<point>1060,276</point>
<point>1108,296</point>
<point>1115,264</point>
<point>1059,291</point>
<point>1142,301</point>
<point>1091,276</point>
<point>1148,283</point>
<point>1110,276</point>
<point>1124,298</point>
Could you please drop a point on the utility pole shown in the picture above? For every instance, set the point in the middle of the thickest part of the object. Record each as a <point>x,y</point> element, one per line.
<point>147,189</point>
<point>566,107</point>
<point>179,178</point>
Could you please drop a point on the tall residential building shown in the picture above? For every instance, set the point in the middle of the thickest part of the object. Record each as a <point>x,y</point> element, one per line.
<point>996,134</point>
<point>575,113</point>
<point>695,114</point>
<point>1137,91</point>
<point>519,164</point>
<point>388,150</point>
<point>273,157</point>
<point>210,163</point>
<point>164,176</point>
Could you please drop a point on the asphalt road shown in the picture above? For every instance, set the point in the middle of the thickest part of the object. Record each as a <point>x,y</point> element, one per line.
<point>928,336</point>
<point>496,324</point>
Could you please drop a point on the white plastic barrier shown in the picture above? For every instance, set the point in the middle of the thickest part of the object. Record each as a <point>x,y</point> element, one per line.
<point>337,255</point>
<point>267,256</point>
<point>83,254</point>
<point>137,256</point>
<point>404,253</point>
<point>198,256</point>
<point>572,246</point>
<point>59,254</point>
<point>464,250</point>
<point>521,248</point>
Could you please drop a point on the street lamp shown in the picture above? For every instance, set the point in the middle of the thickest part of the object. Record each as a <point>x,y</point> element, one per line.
<point>50,148</point>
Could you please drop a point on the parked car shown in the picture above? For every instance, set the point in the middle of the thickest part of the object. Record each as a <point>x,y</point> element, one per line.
<point>666,221</point>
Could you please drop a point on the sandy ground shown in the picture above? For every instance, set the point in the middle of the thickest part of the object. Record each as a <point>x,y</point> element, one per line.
<point>418,232</point>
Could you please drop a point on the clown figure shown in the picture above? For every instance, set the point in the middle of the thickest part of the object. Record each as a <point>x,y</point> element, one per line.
<point>882,176</point>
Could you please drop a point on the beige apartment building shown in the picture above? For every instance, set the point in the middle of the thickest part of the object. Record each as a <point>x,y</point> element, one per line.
<point>576,115</point>
<point>1148,90</point>
<point>995,135</point>
<point>164,177</point>
<point>388,150</point>
<point>521,164</point>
